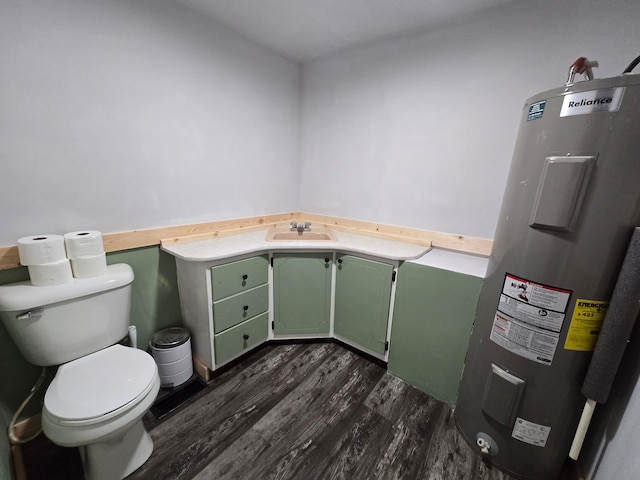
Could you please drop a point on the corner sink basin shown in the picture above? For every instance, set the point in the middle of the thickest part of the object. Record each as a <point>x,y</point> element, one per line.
<point>314,235</point>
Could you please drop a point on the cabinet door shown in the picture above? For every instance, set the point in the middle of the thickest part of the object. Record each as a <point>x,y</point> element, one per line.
<point>363,295</point>
<point>302,293</point>
<point>432,319</point>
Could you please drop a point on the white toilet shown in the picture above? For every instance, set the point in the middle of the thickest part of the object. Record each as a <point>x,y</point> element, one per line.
<point>102,389</point>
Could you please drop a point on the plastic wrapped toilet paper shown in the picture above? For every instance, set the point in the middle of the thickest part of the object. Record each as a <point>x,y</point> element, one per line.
<point>54,273</point>
<point>41,249</point>
<point>89,266</point>
<point>86,243</point>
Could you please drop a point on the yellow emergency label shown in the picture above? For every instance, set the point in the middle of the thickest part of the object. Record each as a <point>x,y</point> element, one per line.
<point>585,325</point>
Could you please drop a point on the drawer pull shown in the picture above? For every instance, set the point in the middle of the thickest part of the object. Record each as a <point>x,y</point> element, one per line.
<point>245,336</point>
<point>244,277</point>
<point>245,308</point>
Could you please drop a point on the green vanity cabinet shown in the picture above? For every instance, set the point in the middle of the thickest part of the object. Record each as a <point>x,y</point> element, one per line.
<point>240,295</point>
<point>302,294</point>
<point>362,299</point>
<point>433,315</point>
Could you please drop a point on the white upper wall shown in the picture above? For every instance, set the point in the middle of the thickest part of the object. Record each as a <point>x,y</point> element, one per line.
<point>419,130</point>
<point>120,115</point>
<point>307,29</point>
<point>125,115</point>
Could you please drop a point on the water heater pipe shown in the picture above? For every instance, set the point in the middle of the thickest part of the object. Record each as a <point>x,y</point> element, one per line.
<point>583,67</point>
<point>632,65</point>
<point>616,329</point>
<point>581,431</point>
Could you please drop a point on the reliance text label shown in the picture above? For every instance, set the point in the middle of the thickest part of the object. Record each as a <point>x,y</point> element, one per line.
<point>604,100</point>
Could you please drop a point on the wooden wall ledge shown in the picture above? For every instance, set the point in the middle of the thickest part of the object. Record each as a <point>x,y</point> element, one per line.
<point>115,242</point>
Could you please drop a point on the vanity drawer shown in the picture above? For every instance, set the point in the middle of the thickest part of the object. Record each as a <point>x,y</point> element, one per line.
<point>234,310</point>
<point>240,276</point>
<point>241,338</point>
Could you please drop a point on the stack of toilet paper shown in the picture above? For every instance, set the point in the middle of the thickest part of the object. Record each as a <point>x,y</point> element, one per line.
<point>56,259</point>
<point>86,252</point>
<point>46,258</point>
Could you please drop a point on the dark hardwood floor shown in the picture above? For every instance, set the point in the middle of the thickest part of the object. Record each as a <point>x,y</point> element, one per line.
<point>306,412</point>
<point>310,411</point>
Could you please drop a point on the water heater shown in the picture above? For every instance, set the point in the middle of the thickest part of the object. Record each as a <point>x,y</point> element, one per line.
<point>570,207</point>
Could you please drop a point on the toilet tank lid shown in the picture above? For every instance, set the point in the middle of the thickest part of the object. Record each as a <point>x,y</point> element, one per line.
<point>24,296</point>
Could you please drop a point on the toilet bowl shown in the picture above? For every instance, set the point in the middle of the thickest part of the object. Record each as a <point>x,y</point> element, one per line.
<point>96,402</point>
<point>102,389</point>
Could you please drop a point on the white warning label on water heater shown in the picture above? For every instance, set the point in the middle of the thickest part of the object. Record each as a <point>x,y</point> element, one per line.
<point>531,433</point>
<point>529,318</point>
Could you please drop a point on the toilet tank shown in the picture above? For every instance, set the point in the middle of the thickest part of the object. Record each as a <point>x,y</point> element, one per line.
<point>55,324</point>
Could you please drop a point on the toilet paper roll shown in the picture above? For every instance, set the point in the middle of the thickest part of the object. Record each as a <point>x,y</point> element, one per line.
<point>41,249</point>
<point>55,273</point>
<point>84,243</point>
<point>89,266</point>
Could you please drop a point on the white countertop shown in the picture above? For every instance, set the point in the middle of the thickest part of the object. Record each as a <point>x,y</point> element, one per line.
<point>466,263</point>
<point>220,248</point>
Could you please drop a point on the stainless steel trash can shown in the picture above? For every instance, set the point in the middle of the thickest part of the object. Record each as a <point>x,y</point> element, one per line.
<point>171,349</point>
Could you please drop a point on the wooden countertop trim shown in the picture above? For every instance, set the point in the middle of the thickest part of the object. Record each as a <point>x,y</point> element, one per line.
<point>119,241</point>
<point>9,257</point>
<point>461,243</point>
<point>114,242</point>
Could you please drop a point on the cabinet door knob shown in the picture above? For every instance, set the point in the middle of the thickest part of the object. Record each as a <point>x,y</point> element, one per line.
<point>244,277</point>
<point>245,336</point>
<point>245,308</point>
<point>340,261</point>
<point>326,260</point>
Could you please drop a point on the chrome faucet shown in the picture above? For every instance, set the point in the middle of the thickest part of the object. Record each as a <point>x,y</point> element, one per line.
<point>300,227</point>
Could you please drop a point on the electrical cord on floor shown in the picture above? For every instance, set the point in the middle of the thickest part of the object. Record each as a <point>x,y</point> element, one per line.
<point>12,424</point>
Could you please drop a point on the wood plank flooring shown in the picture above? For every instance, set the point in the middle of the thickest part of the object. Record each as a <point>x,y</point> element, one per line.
<point>310,411</point>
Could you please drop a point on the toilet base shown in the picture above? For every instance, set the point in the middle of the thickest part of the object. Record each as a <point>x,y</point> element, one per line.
<point>119,457</point>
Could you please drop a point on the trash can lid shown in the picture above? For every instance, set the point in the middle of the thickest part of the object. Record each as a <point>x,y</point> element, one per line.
<point>170,337</point>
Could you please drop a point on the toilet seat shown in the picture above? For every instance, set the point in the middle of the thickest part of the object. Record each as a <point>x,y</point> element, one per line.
<point>100,386</point>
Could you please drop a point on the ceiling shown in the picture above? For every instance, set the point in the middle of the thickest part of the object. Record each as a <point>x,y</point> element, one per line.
<point>306,29</point>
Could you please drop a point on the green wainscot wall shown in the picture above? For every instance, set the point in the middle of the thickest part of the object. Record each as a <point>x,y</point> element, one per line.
<point>432,320</point>
<point>154,305</point>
